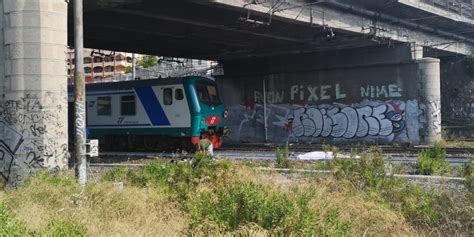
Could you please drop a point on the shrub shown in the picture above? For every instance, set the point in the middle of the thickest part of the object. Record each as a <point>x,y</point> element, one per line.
<point>418,205</point>
<point>432,161</point>
<point>469,175</point>
<point>177,178</point>
<point>282,156</point>
<point>228,208</point>
<point>415,203</point>
<point>368,172</point>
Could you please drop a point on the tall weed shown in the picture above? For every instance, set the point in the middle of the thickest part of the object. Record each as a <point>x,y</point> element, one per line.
<point>432,161</point>
<point>282,214</point>
<point>418,205</point>
<point>469,175</point>
<point>282,157</point>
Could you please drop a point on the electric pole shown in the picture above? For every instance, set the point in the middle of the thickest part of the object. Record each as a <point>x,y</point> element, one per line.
<point>79,95</point>
<point>134,67</point>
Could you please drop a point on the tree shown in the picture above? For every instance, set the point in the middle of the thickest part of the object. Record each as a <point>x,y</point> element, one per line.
<point>147,61</point>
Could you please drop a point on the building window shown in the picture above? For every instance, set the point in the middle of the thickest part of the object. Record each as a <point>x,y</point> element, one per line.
<point>87,70</point>
<point>98,59</point>
<point>119,57</point>
<point>109,59</point>
<point>109,69</point>
<point>127,106</point>
<point>104,106</point>
<point>167,96</point>
<point>87,60</point>
<point>98,69</point>
<point>178,94</point>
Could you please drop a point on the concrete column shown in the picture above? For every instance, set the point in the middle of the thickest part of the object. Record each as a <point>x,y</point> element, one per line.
<point>33,102</point>
<point>430,99</point>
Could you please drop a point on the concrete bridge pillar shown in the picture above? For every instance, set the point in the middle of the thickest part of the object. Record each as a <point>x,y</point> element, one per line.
<point>430,99</point>
<point>33,87</point>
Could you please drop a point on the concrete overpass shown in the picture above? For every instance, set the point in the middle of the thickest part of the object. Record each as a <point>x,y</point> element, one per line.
<point>226,29</point>
<point>365,55</point>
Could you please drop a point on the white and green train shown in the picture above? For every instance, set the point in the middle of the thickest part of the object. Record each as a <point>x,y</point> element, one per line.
<point>155,114</point>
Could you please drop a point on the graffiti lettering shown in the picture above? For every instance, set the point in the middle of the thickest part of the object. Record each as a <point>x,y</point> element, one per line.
<point>313,93</point>
<point>435,107</point>
<point>346,122</point>
<point>80,121</point>
<point>26,142</point>
<point>273,97</point>
<point>384,91</point>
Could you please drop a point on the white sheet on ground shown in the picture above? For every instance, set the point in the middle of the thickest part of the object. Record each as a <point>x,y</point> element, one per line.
<point>322,155</point>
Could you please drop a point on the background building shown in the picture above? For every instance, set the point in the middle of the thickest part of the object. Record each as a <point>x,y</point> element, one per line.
<point>105,66</point>
<point>100,64</point>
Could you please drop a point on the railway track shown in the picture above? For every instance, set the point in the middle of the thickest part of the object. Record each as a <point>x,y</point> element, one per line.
<point>347,148</point>
<point>400,158</point>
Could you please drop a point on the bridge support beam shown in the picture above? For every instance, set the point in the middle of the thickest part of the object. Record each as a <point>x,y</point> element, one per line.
<point>33,82</point>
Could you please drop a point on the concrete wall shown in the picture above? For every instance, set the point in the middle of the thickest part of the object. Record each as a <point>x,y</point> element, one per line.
<point>368,95</point>
<point>457,104</point>
<point>33,100</point>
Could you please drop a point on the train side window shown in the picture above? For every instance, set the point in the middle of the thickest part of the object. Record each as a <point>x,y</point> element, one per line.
<point>104,106</point>
<point>178,94</point>
<point>127,105</point>
<point>167,96</point>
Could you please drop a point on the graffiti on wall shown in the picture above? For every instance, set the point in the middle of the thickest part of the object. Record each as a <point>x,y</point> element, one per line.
<point>34,135</point>
<point>312,93</point>
<point>346,122</point>
<point>435,108</point>
<point>368,120</point>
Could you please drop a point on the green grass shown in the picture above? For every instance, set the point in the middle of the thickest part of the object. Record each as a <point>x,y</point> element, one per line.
<point>211,197</point>
<point>11,226</point>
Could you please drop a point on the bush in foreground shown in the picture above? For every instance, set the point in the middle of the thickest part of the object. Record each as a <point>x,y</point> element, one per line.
<point>214,197</point>
<point>421,207</point>
<point>432,160</point>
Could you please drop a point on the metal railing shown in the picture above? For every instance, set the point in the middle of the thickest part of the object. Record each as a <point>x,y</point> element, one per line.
<point>463,8</point>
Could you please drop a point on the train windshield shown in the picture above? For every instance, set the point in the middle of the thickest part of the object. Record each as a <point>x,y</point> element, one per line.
<point>207,93</point>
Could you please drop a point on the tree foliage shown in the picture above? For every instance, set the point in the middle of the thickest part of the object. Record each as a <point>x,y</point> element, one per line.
<point>147,61</point>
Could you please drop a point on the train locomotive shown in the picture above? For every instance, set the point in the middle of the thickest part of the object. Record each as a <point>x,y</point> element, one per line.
<point>154,114</point>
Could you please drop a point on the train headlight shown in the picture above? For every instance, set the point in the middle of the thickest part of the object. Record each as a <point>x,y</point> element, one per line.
<point>226,113</point>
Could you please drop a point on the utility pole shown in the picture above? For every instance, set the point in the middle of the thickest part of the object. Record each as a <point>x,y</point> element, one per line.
<point>134,67</point>
<point>79,95</point>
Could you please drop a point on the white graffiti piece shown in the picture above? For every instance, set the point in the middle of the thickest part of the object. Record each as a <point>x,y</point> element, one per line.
<point>346,122</point>
<point>435,108</point>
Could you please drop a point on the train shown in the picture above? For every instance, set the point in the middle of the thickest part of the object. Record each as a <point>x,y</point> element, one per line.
<point>152,115</point>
